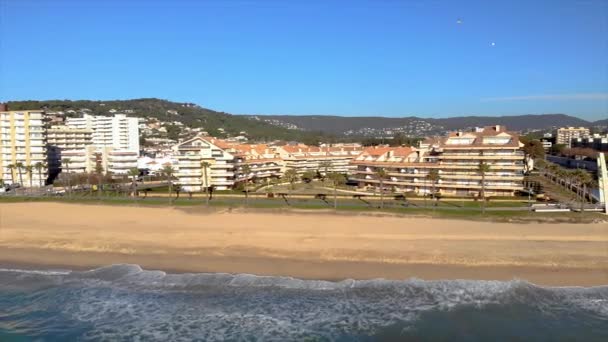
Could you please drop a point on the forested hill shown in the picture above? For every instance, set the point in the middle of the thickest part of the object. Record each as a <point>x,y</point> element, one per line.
<point>307,128</point>
<point>359,125</point>
<point>187,113</point>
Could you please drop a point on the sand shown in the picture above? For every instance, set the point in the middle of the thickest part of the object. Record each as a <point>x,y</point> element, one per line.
<point>306,245</point>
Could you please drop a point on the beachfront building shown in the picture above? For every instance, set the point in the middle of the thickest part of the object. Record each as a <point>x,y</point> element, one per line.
<point>456,159</point>
<point>22,147</point>
<point>565,135</point>
<point>69,143</point>
<point>263,162</point>
<point>303,158</point>
<point>192,156</point>
<point>118,131</point>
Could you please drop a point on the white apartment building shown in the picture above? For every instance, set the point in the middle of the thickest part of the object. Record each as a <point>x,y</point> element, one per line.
<point>192,176</point>
<point>566,134</point>
<point>68,143</point>
<point>303,158</point>
<point>456,159</point>
<point>118,131</point>
<point>22,143</point>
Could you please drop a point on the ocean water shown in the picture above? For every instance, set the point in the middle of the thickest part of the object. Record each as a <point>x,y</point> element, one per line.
<point>126,303</point>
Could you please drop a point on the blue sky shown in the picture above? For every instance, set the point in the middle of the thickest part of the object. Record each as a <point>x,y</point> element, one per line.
<point>382,57</point>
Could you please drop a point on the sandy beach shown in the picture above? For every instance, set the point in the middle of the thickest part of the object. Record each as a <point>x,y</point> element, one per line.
<point>306,245</point>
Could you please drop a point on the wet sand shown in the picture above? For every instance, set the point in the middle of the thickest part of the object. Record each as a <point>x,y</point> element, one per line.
<point>303,245</point>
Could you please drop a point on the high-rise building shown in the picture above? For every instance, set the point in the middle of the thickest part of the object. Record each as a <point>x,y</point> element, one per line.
<point>68,143</point>
<point>23,147</point>
<point>118,131</point>
<point>565,135</point>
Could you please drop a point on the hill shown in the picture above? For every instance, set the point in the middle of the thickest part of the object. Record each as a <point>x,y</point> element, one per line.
<point>187,113</point>
<point>415,125</point>
<point>306,128</point>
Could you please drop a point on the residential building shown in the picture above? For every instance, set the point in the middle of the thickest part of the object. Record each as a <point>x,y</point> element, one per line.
<point>303,158</point>
<point>262,161</point>
<point>192,175</point>
<point>565,135</point>
<point>456,158</point>
<point>597,142</point>
<point>65,142</point>
<point>118,131</point>
<point>22,142</point>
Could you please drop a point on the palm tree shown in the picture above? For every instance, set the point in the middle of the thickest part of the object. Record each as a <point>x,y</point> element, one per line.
<point>584,179</point>
<point>433,176</point>
<point>29,170</point>
<point>325,165</point>
<point>292,177</point>
<point>12,167</point>
<point>483,168</point>
<point>39,166</point>
<point>20,166</point>
<point>381,174</point>
<point>246,170</point>
<point>99,172</point>
<point>66,162</point>
<point>168,171</point>
<point>204,181</point>
<point>336,179</point>
<point>134,173</point>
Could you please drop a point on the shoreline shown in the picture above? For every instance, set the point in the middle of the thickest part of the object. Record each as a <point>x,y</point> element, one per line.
<point>334,271</point>
<point>306,245</point>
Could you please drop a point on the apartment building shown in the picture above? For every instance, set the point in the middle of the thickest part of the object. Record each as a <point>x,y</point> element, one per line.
<point>596,141</point>
<point>118,131</point>
<point>193,176</point>
<point>303,158</point>
<point>565,135</point>
<point>65,142</point>
<point>262,161</point>
<point>456,158</point>
<point>23,143</point>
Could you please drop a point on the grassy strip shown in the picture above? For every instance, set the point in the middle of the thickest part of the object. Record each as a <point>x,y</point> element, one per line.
<point>279,204</point>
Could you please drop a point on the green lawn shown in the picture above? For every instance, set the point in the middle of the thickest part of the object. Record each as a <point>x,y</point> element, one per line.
<point>470,211</point>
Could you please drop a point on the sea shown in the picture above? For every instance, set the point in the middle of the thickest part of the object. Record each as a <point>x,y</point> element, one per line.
<point>127,303</point>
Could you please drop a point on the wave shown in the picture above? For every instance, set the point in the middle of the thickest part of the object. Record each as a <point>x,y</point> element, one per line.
<point>124,302</point>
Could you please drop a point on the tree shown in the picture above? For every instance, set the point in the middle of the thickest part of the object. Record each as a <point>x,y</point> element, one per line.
<point>65,162</point>
<point>483,168</point>
<point>39,166</point>
<point>204,181</point>
<point>381,174</point>
<point>557,148</point>
<point>99,172</point>
<point>533,149</point>
<point>584,179</point>
<point>134,173</point>
<point>309,176</point>
<point>29,170</point>
<point>19,167</point>
<point>433,176</point>
<point>12,167</point>
<point>246,170</point>
<point>336,179</point>
<point>168,171</point>
<point>292,177</point>
<point>325,166</point>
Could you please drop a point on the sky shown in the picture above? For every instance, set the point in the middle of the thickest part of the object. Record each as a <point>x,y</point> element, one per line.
<point>352,57</point>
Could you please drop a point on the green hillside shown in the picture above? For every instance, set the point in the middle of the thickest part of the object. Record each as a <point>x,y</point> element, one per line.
<point>188,113</point>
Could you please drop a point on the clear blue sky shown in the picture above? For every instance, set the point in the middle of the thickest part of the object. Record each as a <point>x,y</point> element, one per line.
<point>376,57</point>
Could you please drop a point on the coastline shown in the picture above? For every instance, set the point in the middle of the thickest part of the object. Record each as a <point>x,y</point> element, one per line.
<point>300,245</point>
